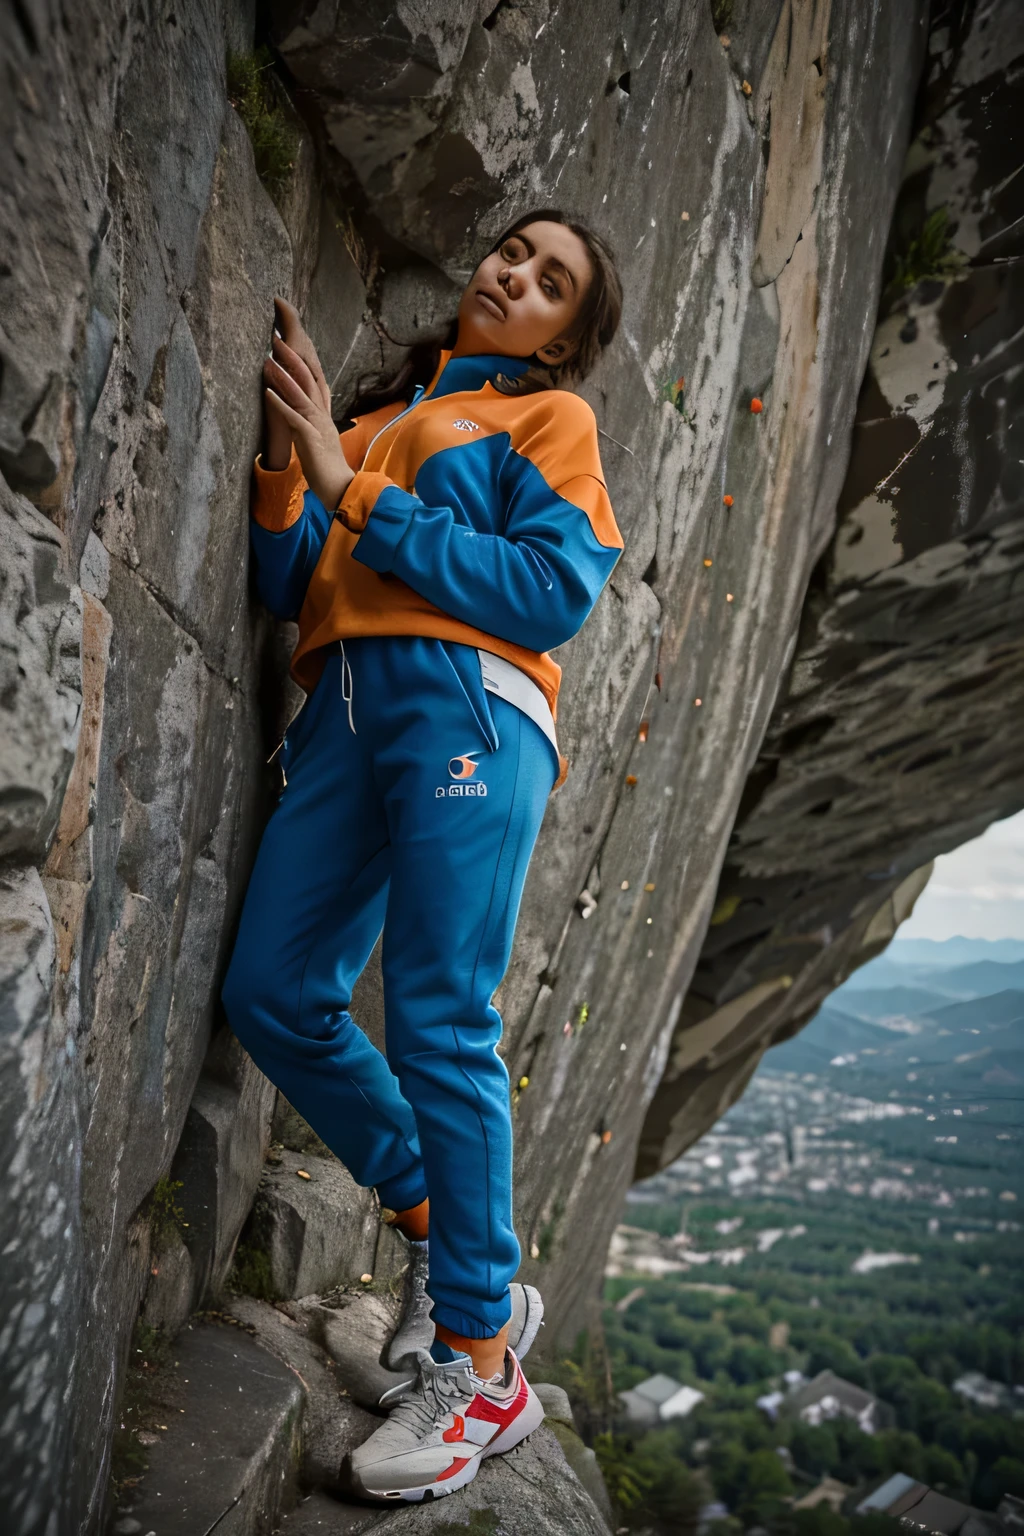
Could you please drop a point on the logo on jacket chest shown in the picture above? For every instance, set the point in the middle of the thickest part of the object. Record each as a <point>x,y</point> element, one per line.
<point>463,424</point>
<point>461,770</point>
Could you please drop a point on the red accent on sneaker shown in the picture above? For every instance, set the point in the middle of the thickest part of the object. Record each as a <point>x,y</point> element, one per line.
<point>456,1466</point>
<point>500,1413</point>
<point>457,1431</point>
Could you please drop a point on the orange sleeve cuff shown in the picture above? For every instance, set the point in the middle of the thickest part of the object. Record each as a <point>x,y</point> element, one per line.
<point>358,501</point>
<point>277,494</point>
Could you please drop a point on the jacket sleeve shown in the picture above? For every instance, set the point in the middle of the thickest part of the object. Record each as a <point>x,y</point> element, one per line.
<point>535,583</point>
<point>289,524</point>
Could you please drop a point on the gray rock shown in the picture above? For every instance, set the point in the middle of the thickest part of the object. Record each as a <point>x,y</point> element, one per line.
<point>558,1417</point>
<point>231,1456</point>
<point>321,1514</point>
<point>555,1401</point>
<point>171,1286</point>
<point>289,1128</point>
<point>323,1230</point>
<point>418,304</point>
<point>41,1278</point>
<point>219,1162</point>
<point>40,677</point>
<point>332,1422</point>
<point>354,1336</point>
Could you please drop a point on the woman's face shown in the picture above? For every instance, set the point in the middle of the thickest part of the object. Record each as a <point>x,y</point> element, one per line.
<point>524,297</point>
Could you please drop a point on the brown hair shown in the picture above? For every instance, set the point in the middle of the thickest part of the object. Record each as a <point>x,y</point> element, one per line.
<point>592,330</point>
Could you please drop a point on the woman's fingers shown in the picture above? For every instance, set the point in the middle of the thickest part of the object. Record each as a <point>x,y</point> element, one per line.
<point>294,364</point>
<point>287,387</point>
<point>300,426</point>
<point>295,336</point>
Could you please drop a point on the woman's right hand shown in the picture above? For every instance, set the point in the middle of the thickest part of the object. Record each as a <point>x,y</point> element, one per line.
<point>297,395</point>
<point>279,434</point>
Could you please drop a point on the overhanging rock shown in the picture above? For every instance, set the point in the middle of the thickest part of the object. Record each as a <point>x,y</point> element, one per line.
<point>899,733</point>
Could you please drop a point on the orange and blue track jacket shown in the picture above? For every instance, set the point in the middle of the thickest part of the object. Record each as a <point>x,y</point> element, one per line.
<point>482,518</point>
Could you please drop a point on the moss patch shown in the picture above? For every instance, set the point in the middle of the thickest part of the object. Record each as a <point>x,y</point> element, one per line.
<point>482,1522</point>
<point>928,254</point>
<point>166,1216</point>
<point>253,94</point>
<point>251,1273</point>
<point>148,1395</point>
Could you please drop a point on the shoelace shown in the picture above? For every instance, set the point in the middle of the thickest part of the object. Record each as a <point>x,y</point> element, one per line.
<point>431,1398</point>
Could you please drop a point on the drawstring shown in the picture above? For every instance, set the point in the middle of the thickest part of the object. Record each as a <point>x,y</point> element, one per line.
<point>346,676</point>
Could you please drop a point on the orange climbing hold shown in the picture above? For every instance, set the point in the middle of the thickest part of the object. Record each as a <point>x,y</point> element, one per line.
<point>707,565</point>
<point>696,703</point>
<point>630,778</point>
<point>756,406</point>
<point>606,1137</point>
<point>726,501</point>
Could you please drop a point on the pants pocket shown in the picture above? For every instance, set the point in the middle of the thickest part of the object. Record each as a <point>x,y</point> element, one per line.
<point>465,663</point>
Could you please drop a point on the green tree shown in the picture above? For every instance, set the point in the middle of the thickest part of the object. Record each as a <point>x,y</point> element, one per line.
<point>765,1485</point>
<point>942,1470</point>
<point>815,1448</point>
<point>1008,1477</point>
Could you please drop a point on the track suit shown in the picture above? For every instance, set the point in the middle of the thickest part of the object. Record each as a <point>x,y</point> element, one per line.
<point>416,779</point>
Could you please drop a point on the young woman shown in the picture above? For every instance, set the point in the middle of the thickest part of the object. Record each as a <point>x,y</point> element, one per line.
<point>432,554</point>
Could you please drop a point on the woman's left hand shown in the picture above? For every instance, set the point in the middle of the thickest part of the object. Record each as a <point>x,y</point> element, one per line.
<point>294,394</point>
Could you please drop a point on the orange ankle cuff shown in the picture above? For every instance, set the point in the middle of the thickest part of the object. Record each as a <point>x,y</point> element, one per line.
<point>414,1222</point>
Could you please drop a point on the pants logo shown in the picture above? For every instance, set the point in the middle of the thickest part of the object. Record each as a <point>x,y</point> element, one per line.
<point>461,769</point>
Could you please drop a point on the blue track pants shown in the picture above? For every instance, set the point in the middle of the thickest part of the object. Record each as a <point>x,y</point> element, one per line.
<point>421,821</point>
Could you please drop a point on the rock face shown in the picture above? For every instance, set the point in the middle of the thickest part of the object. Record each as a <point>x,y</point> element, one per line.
<point>899,733</point>
<point>747,183</point>
<point>139,255</point>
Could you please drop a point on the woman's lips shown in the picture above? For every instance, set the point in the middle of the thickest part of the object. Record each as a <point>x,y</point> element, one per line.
<point>491,305</point>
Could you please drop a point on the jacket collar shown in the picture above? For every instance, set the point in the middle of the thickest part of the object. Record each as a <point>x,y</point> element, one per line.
<point>456,375</point>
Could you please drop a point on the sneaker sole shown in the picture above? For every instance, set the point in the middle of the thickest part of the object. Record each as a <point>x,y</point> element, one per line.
<point>524,1425</point>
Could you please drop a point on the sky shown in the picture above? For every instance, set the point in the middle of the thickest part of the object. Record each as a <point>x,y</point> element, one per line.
<point>977,891</point>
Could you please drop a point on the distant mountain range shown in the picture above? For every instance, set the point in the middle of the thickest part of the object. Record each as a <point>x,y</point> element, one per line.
<point>958,968</point>
<point>952,1013</point>
<point>958,951</point>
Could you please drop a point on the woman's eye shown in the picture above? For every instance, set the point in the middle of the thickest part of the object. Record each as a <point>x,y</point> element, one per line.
<point>512,250</point>
<point>551,289</point>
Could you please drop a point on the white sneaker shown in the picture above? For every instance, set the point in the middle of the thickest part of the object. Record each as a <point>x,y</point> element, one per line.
<point>415,1330</point>
<point>439,1430</point>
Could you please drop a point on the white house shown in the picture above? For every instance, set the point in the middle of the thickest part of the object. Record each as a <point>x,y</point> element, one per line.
<point>659,1399</point>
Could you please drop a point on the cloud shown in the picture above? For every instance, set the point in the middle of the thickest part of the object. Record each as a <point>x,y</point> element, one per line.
<point>977,890</point>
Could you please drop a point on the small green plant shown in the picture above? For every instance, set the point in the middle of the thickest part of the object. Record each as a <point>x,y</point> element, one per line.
<point>251,1274</point>
<point>166,1216</point>
<point>929,254</point>
<point>623,1479</point>
<point>275,140</point>
<point>721,14</point>
<point>674,391</point>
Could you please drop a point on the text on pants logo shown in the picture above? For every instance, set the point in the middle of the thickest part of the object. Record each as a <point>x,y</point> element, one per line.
<point>465,425</point>
<point>461,769</point>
